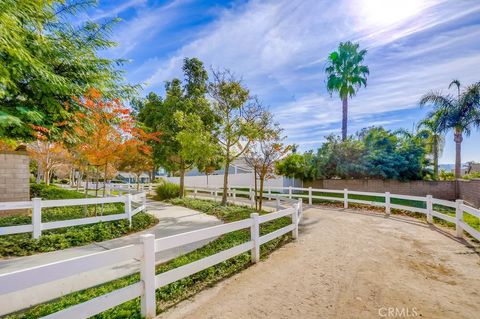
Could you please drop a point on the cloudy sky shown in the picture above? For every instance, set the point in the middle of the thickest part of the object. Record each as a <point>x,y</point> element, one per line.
<point>279,48</point>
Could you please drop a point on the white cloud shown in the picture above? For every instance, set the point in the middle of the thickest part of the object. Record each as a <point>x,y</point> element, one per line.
<point>279,48</point>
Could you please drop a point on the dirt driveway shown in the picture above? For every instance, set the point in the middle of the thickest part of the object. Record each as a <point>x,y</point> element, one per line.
<point>351,265</point>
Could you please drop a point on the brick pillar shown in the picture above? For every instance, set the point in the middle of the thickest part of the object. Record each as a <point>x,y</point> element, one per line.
<point>14,177</point>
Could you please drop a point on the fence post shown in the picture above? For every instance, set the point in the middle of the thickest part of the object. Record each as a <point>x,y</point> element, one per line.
<point>215,196</point>
<point>128,208</point>
<point>150,188</point>
<point>278,202</point>
<point>429,209</point>
<point>269,193</point>
<point>252,199</point>
<point>37,217</point>
<point>296,212</point>
<point>458,218</point>
<point>345,198</point>
<point>107,189</point>
<point>195,193</point>
<point>290,192</point>
<point>310,196</point>
<point>255,235</point>
<point>388,208</point>
<point>234,195</point>
<point>147,275</point>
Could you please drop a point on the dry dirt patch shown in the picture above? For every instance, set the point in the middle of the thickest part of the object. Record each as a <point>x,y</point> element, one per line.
<point>348,264</point>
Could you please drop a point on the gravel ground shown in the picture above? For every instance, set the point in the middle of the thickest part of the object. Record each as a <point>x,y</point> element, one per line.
<point>352,264</point>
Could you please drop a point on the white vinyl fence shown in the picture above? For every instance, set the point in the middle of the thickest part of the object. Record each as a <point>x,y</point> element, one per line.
<point>148,246</point>
<point>145,251</point>
<point>37,204</point>
<point>345,196</point>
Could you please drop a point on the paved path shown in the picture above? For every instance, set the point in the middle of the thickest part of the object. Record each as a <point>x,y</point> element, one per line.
<point>351,264</point>
<point>173,220</point>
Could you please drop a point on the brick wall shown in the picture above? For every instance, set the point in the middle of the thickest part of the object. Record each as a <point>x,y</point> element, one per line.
<point>441,189</point>
<point>469,191</point>
<point>14,176</point>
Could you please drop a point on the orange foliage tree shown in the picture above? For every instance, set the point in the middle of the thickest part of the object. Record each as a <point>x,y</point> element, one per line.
<point>108,136</point>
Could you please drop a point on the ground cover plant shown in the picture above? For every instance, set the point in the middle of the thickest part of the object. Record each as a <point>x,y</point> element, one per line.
<point>175,292</point>
<point>61,238</point>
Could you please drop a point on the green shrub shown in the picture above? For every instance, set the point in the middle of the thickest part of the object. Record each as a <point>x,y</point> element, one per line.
<point>167,190</point>
<point>52,192</point>
<point>61,238</point>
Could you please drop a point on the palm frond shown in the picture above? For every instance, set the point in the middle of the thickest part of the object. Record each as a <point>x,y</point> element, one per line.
<point>437,99</point>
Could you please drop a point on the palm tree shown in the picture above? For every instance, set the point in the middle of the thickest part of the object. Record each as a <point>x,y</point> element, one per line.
<point>429,128</point>
<point>460,114</point>
<point>346,75</point>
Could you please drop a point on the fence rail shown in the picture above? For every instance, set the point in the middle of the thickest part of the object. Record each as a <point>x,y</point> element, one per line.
<point>37,204</point>
<point>147,248</point>
<point>145,252</point>
<point>383,200</point>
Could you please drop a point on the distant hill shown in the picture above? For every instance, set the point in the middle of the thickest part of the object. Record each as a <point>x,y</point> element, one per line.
<point>446,167</point>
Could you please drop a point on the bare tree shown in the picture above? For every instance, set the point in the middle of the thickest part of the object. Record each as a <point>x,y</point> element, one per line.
<point>241,119</point>
<point>263,154</point>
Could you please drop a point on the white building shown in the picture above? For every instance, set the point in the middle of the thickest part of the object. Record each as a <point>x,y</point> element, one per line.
<point>239,174</point>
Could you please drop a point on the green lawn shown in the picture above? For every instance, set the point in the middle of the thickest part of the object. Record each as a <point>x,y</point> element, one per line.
<point>173,293</point>
<point>61,238</point>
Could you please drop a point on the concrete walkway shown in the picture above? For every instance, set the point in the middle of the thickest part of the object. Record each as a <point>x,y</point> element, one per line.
<point>173,220</point>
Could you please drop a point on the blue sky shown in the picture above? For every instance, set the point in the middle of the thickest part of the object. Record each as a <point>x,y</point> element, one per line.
<point>279,49</point>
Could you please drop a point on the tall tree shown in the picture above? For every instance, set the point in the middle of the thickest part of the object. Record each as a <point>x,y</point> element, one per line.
<point>429,129</point>
<point>346,74</point>
<point>197,143</point>
<point>242,119</point>
<point>460,114</point>
<point>184,98</point>
<point>47,59</point>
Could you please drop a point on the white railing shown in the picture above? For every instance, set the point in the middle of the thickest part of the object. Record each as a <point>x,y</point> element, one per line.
<point>145,252</point>
<point>37,204</point>
<point>129,188</point>
<point>344,196</point>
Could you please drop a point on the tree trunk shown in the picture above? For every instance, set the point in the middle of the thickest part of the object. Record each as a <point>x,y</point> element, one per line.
<point>105,179</point>
<point>182,182</point>
<point>255,189</point>
<point>46,177</point>
<point>96,182</point>
<point>152,175</point>
<point>39,173</point>
<point>458,138</point>
<point>225,183</point>
<point>344,118</point>
<point>260,199</point>
<point>435,158</point>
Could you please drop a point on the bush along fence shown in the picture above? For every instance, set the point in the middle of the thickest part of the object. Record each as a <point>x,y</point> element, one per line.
<point>427,205</point>
<point>134,203</point>
<point>145,252</point>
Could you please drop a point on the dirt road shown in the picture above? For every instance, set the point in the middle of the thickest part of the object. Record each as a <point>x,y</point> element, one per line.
<point>351,265</point>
